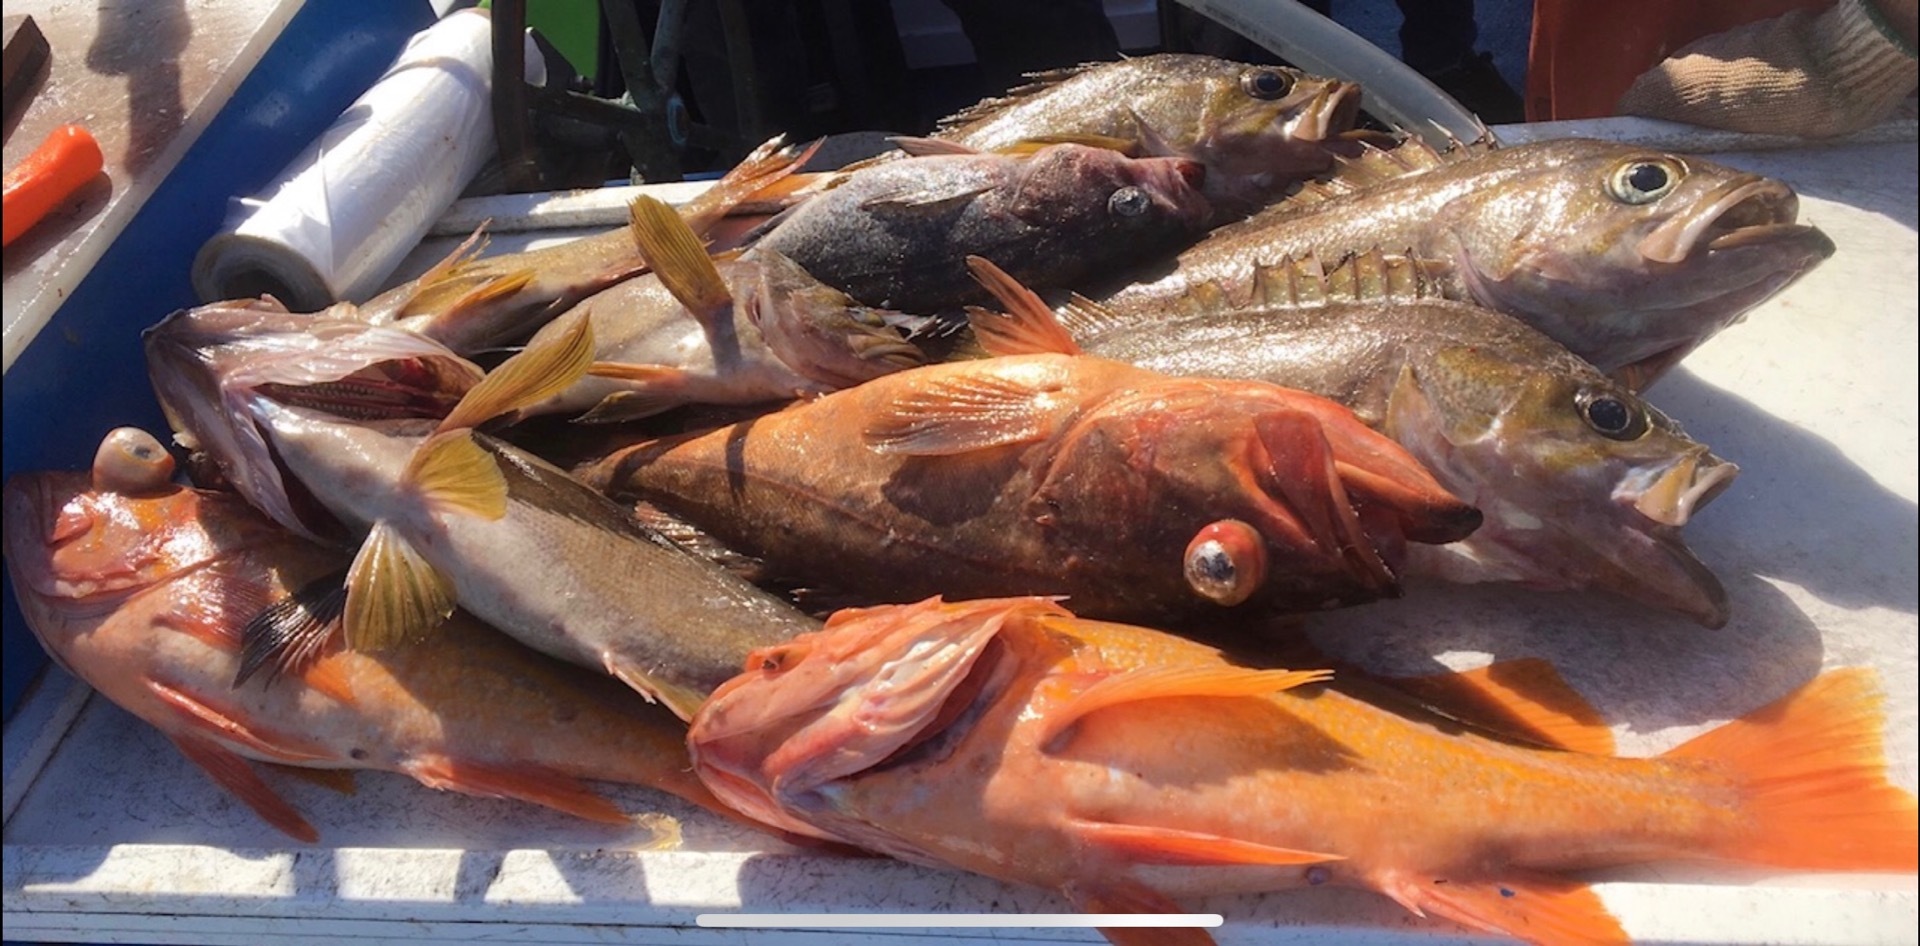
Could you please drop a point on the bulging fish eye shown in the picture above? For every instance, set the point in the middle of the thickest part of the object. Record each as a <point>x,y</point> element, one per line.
<point>1128,202</point>
<point>1612,417</point>
<point>1226,562</point>
<point>131,462</point>
<point>1644,180</point>
<point>1266,83</point>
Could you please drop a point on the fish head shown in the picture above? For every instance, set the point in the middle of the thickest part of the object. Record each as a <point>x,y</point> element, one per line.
<point>866,693</point>
<point>1629,257</point>
<point>1257,128</point>
<point>817,330</point>
<point>1583,484</point>
<point>1099,193</point>
<point>215,366</point>
<point>79,544</point>
<point>1255,496</point>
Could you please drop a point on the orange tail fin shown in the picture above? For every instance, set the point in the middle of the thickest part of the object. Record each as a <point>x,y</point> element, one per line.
<point>1815,777</point>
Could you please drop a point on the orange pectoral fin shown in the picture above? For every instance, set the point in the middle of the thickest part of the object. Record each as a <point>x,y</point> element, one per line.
<point>1169,682</point>
<point>1130,897</point>
<point>529,783</point>
<point>215,723</point>
<point>1536,909</point>
<point>235,775</point>
<point>1193,848</point>
<point>1526,697</point>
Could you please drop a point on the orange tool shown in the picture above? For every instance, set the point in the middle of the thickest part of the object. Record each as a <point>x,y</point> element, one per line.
<point>68,159</point>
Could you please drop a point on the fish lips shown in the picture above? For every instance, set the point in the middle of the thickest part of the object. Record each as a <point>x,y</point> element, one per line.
<point>1746,211</point>
<point>1323,113</point>
<point>1668,574</point>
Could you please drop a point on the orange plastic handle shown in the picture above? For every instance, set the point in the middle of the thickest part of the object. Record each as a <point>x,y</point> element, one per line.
<point>68,159</point>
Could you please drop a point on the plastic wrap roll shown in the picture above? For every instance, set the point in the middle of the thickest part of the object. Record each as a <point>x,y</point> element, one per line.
<point>350,207</point>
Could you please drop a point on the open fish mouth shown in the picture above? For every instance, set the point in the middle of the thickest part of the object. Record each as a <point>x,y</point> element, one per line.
<point>1674,495</point>
<point>1744,211</point>
<point>1333,108</point>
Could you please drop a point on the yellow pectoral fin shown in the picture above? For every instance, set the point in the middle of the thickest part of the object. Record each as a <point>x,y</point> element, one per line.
<point>1165,682</point>
<point>452,473</point>
<point>547,367</point>
<point>394,595</point>
<point>678,257</point>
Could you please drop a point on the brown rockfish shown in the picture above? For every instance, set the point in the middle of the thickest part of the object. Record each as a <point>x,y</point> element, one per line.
<point>349,446</point>
<point>895,234</point>
<point>1123,767</point>
<point>1582,483</point>
<point>144,589</point>
<point>1131,492</point>
<point>1629,257</point>
<point>1258,129</point>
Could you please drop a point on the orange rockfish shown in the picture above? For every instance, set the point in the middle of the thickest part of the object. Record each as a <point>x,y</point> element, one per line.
<point>1122,767</point>
<point>143,589</point>
<point>1139,495</point>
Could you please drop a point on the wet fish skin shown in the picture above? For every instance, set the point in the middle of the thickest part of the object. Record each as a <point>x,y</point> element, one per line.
<point>562,569</point>
<point>145,595</point>
<point>1538,232</point>
<point>1124,767</point>
<point>1226,115</point>
<point>1498,413</point>
<point>896,234</point>
<point>1057,475</point>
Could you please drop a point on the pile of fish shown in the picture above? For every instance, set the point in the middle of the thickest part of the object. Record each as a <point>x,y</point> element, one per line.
<point>1162,341</point>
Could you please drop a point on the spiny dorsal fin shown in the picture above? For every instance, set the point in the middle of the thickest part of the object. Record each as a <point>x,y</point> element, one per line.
<point>1374,165</point>
<point>989,108</point>
<point>547,367</point>
<point>1370,276</point>
<point>1084,318</point>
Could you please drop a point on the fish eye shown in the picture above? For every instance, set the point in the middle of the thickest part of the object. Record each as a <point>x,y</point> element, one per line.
<point>1266,83</point>
<point>1612,417</point>
<point>1643,181</point>
<point>1128,202</point>
<point>1226,562</point>
<point>130,461</point>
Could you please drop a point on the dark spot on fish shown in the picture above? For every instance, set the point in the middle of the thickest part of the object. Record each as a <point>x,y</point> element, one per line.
<point>1317,876</point>
<point>1441,880</point>
<point>1505,892</point>
<point>358,755</point>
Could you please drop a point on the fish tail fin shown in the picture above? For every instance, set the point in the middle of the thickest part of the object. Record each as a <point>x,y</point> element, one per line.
<point>1814,774</point>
